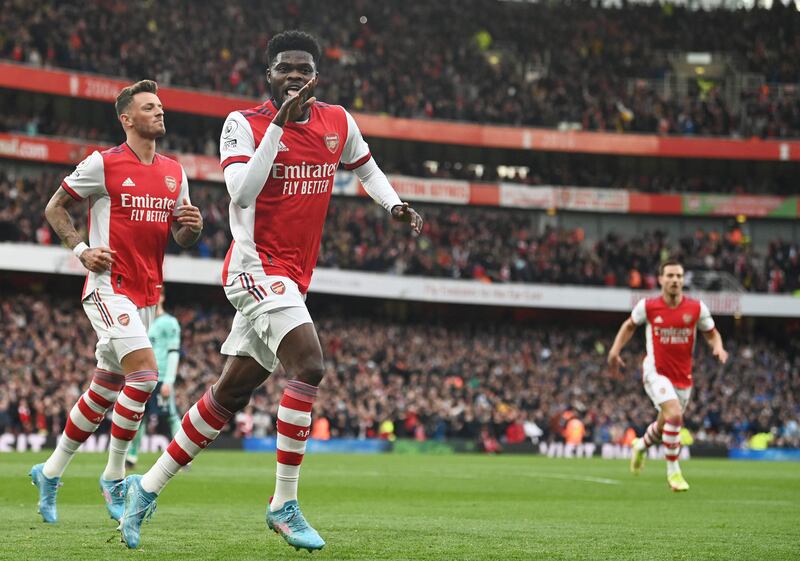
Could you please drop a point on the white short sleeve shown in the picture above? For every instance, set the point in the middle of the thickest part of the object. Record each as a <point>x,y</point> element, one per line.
<point>639,313</point>
<point>184,194</point>
<point>356,150</point>
<point>705,322</point>
<point>236,143</point>
<point>88,178</point>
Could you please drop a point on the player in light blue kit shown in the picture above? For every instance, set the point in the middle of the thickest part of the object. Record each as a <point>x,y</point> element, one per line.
<point>165,336</point>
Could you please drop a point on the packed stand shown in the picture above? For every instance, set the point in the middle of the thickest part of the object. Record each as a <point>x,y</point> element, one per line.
<point>489,245</point>
<point>509,246</point>
<point>42,123</point>
<point>540,64</point>
<point>385,379</point>
<point>550,170</point>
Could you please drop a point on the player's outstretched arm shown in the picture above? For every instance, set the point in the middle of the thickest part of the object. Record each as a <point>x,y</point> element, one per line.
<point>626,331</point>
<point>356,156</point>
<point>377,186</point>
<point>188,225</point>
<point>96,259</point>
<point>714,340</point>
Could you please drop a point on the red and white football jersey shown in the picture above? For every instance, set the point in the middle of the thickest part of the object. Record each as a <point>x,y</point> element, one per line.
<point>281,232</point>
<point>133,205</point>
<point>671,335</point>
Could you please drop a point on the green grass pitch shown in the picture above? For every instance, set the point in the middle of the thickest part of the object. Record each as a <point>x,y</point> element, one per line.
<point>459,507</point>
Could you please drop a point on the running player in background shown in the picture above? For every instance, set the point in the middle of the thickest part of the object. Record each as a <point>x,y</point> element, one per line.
<point>165,336</point>
<point>672,320</point>
<point>280,159</point>
<point>137,197</point>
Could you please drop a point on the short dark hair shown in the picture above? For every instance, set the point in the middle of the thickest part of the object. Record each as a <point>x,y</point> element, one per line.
<point>293,40</point>
<point>125,97</point>
<point>668,263</point>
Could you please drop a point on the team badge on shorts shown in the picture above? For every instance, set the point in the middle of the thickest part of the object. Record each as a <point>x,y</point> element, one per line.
<point>687,318</point>
<point>124,319</point>
<point>171,183</point>
<point>278,287</point>
<point>332,141</point>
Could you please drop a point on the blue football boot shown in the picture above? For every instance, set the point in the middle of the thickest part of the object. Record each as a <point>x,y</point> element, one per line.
<point>139,507</point>
<point>114,495</point>
<point>290,523</point>
<point>47,493</point>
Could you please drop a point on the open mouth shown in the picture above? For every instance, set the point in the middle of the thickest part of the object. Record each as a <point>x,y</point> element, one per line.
<point>292,90</point>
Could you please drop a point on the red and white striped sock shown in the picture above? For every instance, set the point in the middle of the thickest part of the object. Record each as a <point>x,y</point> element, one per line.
<point>294,426</point>
<point>652,435</point>
<point>128,413</point>
<point>199,428</point>
<point>84,418</point>
<point>672,443</point>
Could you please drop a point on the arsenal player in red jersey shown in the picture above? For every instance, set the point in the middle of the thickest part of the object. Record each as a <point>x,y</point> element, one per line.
<point>672,320</point>
<point>280,159</point>
<point>137,198</point>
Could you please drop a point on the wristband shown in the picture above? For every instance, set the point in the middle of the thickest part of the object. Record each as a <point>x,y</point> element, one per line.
<point>79,249</point>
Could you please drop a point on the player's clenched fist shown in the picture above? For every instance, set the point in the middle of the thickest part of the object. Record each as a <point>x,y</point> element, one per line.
<point>98,259</point>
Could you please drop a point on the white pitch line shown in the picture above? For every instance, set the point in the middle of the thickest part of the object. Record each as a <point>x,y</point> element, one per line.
<point>587,478</point>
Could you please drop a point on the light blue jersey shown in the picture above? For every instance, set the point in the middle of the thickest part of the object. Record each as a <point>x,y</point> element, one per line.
<point>165,336</point>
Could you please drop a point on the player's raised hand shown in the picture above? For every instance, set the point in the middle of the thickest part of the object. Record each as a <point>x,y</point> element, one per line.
<point>721,354</point>
<point>404,213</point>
<point>615,362</point>
<point>294,107</point>
<point>98,259</point>
<point>190,216</point>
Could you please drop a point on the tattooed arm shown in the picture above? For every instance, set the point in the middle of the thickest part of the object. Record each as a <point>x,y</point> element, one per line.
<point>59,218</point>
<point>96,259</point>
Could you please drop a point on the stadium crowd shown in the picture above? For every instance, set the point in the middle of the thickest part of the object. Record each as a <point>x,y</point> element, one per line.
<point>573,64</point>
<point>489,383</point>
<point>551,170</point>
<point>557,170</point>
<point>490,245</point>
<point>43,123</point>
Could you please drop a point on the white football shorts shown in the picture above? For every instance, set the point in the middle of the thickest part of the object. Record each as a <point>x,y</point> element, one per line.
<point>660,389</point>
<point>121,327</point>
<point>267,308</point>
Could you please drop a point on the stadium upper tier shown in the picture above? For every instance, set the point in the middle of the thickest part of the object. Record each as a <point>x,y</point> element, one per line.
<point>490,245</point>
<point>432,381</point>
<point>45,118</point>
<point>551,64</point>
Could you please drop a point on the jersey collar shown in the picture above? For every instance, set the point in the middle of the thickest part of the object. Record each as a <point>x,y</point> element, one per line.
<point>129,150</point>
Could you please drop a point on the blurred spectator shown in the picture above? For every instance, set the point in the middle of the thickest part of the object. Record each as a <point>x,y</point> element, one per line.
<point>385,378</point>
